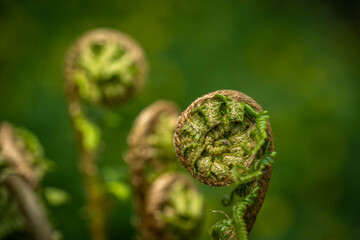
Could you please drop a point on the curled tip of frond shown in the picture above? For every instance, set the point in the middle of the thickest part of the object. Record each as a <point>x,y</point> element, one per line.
<point>174,207</point>
<point>105,67</point>
<point>219,131</point>
<point>22,151</point>
<point>151,136</point>
<point>225,132</point>
<point>223,230</point>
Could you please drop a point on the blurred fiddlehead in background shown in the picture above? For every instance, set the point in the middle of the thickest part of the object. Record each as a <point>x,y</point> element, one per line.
<point>225,137</point>
<point>104,67</point>
<point>167,203</point>
<point>22,166</point>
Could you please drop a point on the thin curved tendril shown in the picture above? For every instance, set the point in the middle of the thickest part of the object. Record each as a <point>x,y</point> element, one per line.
<point>221,228</point>
<point>245,178</point>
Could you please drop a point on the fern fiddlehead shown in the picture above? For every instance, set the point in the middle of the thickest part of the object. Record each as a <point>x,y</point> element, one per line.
<point>224,137</point>
<point>104,67</point>
<point>168,205</point>
<point>22,166</point>
<point>174,206</point>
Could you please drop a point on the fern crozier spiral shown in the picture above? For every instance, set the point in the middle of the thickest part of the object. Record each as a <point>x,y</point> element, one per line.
<point>105,67</point>
<point>215,133</point>
<point>223,137</point>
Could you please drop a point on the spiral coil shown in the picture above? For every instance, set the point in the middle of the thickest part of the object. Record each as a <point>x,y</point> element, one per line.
<point>105,67</point>
<point>162,194</point>
<point>225,137</point>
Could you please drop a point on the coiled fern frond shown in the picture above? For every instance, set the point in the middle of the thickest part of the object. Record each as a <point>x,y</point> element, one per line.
<point>22,166</point>
<point>168,204</point>
<point>105,67</point>
<point>225,137</point>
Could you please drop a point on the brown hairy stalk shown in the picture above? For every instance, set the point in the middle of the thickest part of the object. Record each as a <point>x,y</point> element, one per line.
<point>21,181</point>
<point>30,206</point>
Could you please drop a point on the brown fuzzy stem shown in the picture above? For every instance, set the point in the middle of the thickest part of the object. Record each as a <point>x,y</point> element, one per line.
<point>30,206</point>
<point>88,168</point>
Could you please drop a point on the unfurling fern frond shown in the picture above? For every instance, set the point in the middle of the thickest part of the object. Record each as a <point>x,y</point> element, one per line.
<point>225,137</point>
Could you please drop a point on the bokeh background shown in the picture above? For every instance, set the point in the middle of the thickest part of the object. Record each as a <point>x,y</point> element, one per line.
<point>299,59</point>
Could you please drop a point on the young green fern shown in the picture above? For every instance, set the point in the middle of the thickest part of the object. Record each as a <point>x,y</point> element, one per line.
<point>174,207</point>
<point>167,203</point>
<point>104,67</point>
<point>22,166</point>
<point>224,137</point>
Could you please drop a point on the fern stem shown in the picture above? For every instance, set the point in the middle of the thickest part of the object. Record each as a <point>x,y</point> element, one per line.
<point>93,189</point>
<point>104,67</point>
<point>30,206</point>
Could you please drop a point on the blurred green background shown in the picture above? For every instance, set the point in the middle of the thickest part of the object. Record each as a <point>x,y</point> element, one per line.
<point>300,60</point>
